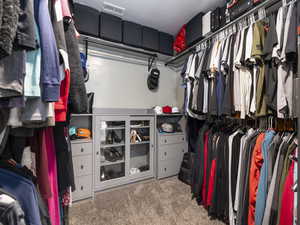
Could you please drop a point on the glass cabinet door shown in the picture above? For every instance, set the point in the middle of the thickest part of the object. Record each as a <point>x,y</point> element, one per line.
<point>140,146</point>
<point>112,154</point>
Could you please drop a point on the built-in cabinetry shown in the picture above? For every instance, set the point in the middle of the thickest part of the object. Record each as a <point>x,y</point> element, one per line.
<point>82,151</point>
<point>170,146</point>
<point>124,147</point>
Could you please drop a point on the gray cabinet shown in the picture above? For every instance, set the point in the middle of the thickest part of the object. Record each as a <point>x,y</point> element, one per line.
<point>82,152</point>
<point>123,149</point>
<point>170,148</point>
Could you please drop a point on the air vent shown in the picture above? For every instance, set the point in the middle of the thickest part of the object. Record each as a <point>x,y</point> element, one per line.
<point>113,9</point>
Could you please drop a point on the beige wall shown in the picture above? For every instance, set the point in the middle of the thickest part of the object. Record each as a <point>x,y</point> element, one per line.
<point>119,84</point>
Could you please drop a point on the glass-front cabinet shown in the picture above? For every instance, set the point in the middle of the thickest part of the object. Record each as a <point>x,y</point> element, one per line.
<point>124,148</point>
<point>141,146</point>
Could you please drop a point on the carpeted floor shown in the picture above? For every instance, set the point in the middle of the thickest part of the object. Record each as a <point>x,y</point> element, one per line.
<point>164,202</point>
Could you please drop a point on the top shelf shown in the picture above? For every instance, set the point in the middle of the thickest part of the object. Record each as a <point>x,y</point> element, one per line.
<point>78,115</point>
<point>122,48</point>
<point>180,58</point>
<point>173,114</point>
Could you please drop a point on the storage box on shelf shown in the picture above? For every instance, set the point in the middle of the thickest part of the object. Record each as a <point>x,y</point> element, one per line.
<point>132,34</point>
<point>82,151</point>
<point>111,27</point>
<point>166,43</point>
<point>206,23</point>
<point>86,19</point>
<point>150,39</point>
<point>194,29</point>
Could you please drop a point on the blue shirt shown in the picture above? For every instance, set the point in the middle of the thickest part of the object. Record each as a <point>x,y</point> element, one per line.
<point>25,192</point>
<point>50,73</point>
<point>263,180</point>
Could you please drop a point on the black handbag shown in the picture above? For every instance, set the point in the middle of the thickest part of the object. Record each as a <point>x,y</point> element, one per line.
<point>90,98</point>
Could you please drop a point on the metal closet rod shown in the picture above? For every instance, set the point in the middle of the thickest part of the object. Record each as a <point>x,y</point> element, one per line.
<point>267,4</point>
<point>119,47</point>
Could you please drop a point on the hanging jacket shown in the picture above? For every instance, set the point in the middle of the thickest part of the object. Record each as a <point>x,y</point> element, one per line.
<point>78,95</point>
<point>50,74</point>
<point>9,16</point>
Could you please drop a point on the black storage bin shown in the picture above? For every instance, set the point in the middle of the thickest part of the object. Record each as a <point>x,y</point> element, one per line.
<point>110,27</point>
<point>239,8</point>
<point>218,18</point>
<point>132,34</point>
<point>215,19</point>
<point>166,43</point>
<point>150,39</point>
<point>194,30</point>
<point>224,17</point>
<point>86,19</point>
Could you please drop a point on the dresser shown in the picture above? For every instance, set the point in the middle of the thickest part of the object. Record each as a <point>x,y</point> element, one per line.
<point>170,148</point>
<point>82,152</point>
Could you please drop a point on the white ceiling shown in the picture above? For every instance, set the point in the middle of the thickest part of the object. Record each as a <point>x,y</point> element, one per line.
<point>164,15</point>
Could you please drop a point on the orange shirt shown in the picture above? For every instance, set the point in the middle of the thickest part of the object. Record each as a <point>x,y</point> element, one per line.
<point>255,167</point>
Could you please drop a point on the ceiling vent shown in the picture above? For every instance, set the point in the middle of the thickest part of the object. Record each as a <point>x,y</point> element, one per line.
<point>113,9</point>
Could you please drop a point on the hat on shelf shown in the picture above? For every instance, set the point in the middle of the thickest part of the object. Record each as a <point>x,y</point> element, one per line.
<point>175,110</point>
<point>167,127</point>
<point>158,110</point>
<point>167,109</point>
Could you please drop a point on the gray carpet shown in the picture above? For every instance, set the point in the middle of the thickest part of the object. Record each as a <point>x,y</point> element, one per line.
<point>164,202</point>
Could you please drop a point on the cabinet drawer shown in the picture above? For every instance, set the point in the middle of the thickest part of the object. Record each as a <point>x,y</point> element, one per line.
<point>83,165</point>
<point>83,188</point>
<point>171,139</point>
<point>168,168</point>
<point>82,149</point>
<point>171,152</point>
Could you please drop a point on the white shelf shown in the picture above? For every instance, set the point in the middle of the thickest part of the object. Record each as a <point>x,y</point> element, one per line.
<point>113,128</point>
<point>171,114</point>
<point>141,143</point>
<point>113,145</point>
<point>79,141</point>
<point>107,163</point>
<point>139,127</point>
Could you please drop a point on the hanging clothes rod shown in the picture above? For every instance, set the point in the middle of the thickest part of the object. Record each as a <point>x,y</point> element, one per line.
<point>116,46</point>
<point>266,4</point>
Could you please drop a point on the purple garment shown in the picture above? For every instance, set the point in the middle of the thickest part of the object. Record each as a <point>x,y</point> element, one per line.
<point>50,73</point>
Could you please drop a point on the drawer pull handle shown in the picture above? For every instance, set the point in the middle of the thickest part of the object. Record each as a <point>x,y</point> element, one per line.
<point>97,153</point>
<point>81,167</point>
<point>182,150</point>
<point>165,154</point>
<point>82,149</point>
<point>81,188</point>
<point>183,139</point>
<point>165,141</point>
<point>165,169</point>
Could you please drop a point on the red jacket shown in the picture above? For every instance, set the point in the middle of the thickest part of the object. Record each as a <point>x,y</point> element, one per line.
<point>61,106</point>
<point>287,208</point>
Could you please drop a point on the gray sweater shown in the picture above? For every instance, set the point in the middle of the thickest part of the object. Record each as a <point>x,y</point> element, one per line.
<point>9,16</point>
